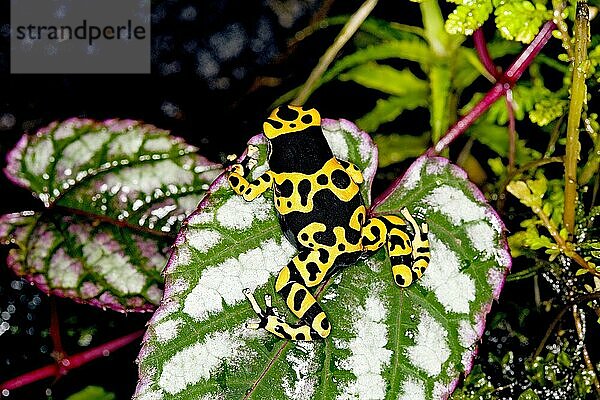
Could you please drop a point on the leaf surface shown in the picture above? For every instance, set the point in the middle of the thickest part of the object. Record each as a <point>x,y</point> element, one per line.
<point>114,192</point>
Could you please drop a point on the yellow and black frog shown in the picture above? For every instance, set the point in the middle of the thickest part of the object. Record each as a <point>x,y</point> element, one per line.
<point>321,212</point>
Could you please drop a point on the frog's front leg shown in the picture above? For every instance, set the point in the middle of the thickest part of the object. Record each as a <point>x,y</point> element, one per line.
<point>293,288</point>
<point>408,251</point>
<point>249,190</point>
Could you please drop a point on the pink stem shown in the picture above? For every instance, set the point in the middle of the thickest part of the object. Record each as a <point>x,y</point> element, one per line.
<point>514,72</point>
<point>55,328</point>
<point>484,54</point>
<point>58,351</point>
<point>467,120</point>
<point>506,82</point>
<point>69,363</point>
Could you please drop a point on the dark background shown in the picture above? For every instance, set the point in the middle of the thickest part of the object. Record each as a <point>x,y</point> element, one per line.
<point>217,66</point>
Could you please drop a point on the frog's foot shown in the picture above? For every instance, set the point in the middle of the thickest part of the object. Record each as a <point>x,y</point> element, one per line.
<point>252,156</point>
<point>269,315</point>
<point>270,321</point>
<point>269,312</point>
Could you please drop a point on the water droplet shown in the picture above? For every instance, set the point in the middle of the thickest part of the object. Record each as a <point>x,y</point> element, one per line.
<point>105,353</point>
<point>7,121</point>
<point>5,392</point>
<point>16,285</point>
<point>4,326</point>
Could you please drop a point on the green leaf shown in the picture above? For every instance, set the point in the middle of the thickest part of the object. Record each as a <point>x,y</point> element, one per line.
<point>520,20</point>
<point>523,191</point>
<point>387,110</point>
<point>468,16</point>
<point>115,190</point>
<point>395,148</point>
<point>529,394</point>
<point>548,109</point>
<point>411,50</point>
<point>496,138</point>
<point>440,80</point>
<point>386,79</point>
<point>92,393</point>
<point>386,342</point>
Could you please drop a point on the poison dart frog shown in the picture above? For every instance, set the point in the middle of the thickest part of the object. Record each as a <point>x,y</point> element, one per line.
<point>322,213</point>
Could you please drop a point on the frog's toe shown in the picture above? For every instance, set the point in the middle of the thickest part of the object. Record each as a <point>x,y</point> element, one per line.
<point>253,324</point>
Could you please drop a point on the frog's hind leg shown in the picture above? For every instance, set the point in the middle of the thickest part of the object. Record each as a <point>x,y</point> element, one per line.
<point>292,286</point>
<point>408,251</point>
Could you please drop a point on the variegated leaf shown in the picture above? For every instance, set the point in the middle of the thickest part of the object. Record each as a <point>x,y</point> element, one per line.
<point>115,191</point>
<point>386,342</point>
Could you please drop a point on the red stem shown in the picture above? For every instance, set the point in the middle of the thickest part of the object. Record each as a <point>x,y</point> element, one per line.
<point>71,362</point>
<point>467,120</point>
<point>55,329</point>
<point>484,54</point>
<point>514,72</point>
<point>506,82</point>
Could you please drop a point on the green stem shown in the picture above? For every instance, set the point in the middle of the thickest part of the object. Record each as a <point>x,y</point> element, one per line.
<point>578,96</point>
<point>433,22</point>
<point>440,74</point>
<point>561,26</point>
<point>579,327</point>
<point>347,32</point>
<point>565,247</point>
<point>590,168</point>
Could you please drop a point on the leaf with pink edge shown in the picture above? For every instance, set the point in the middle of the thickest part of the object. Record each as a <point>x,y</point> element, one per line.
<point>114,191</point>
<point>386,342</point>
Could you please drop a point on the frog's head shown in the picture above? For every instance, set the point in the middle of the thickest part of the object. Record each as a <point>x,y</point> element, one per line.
<point>288,119</point>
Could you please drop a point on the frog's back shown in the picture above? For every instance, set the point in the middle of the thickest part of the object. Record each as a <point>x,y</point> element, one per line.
<point>312,186</point>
